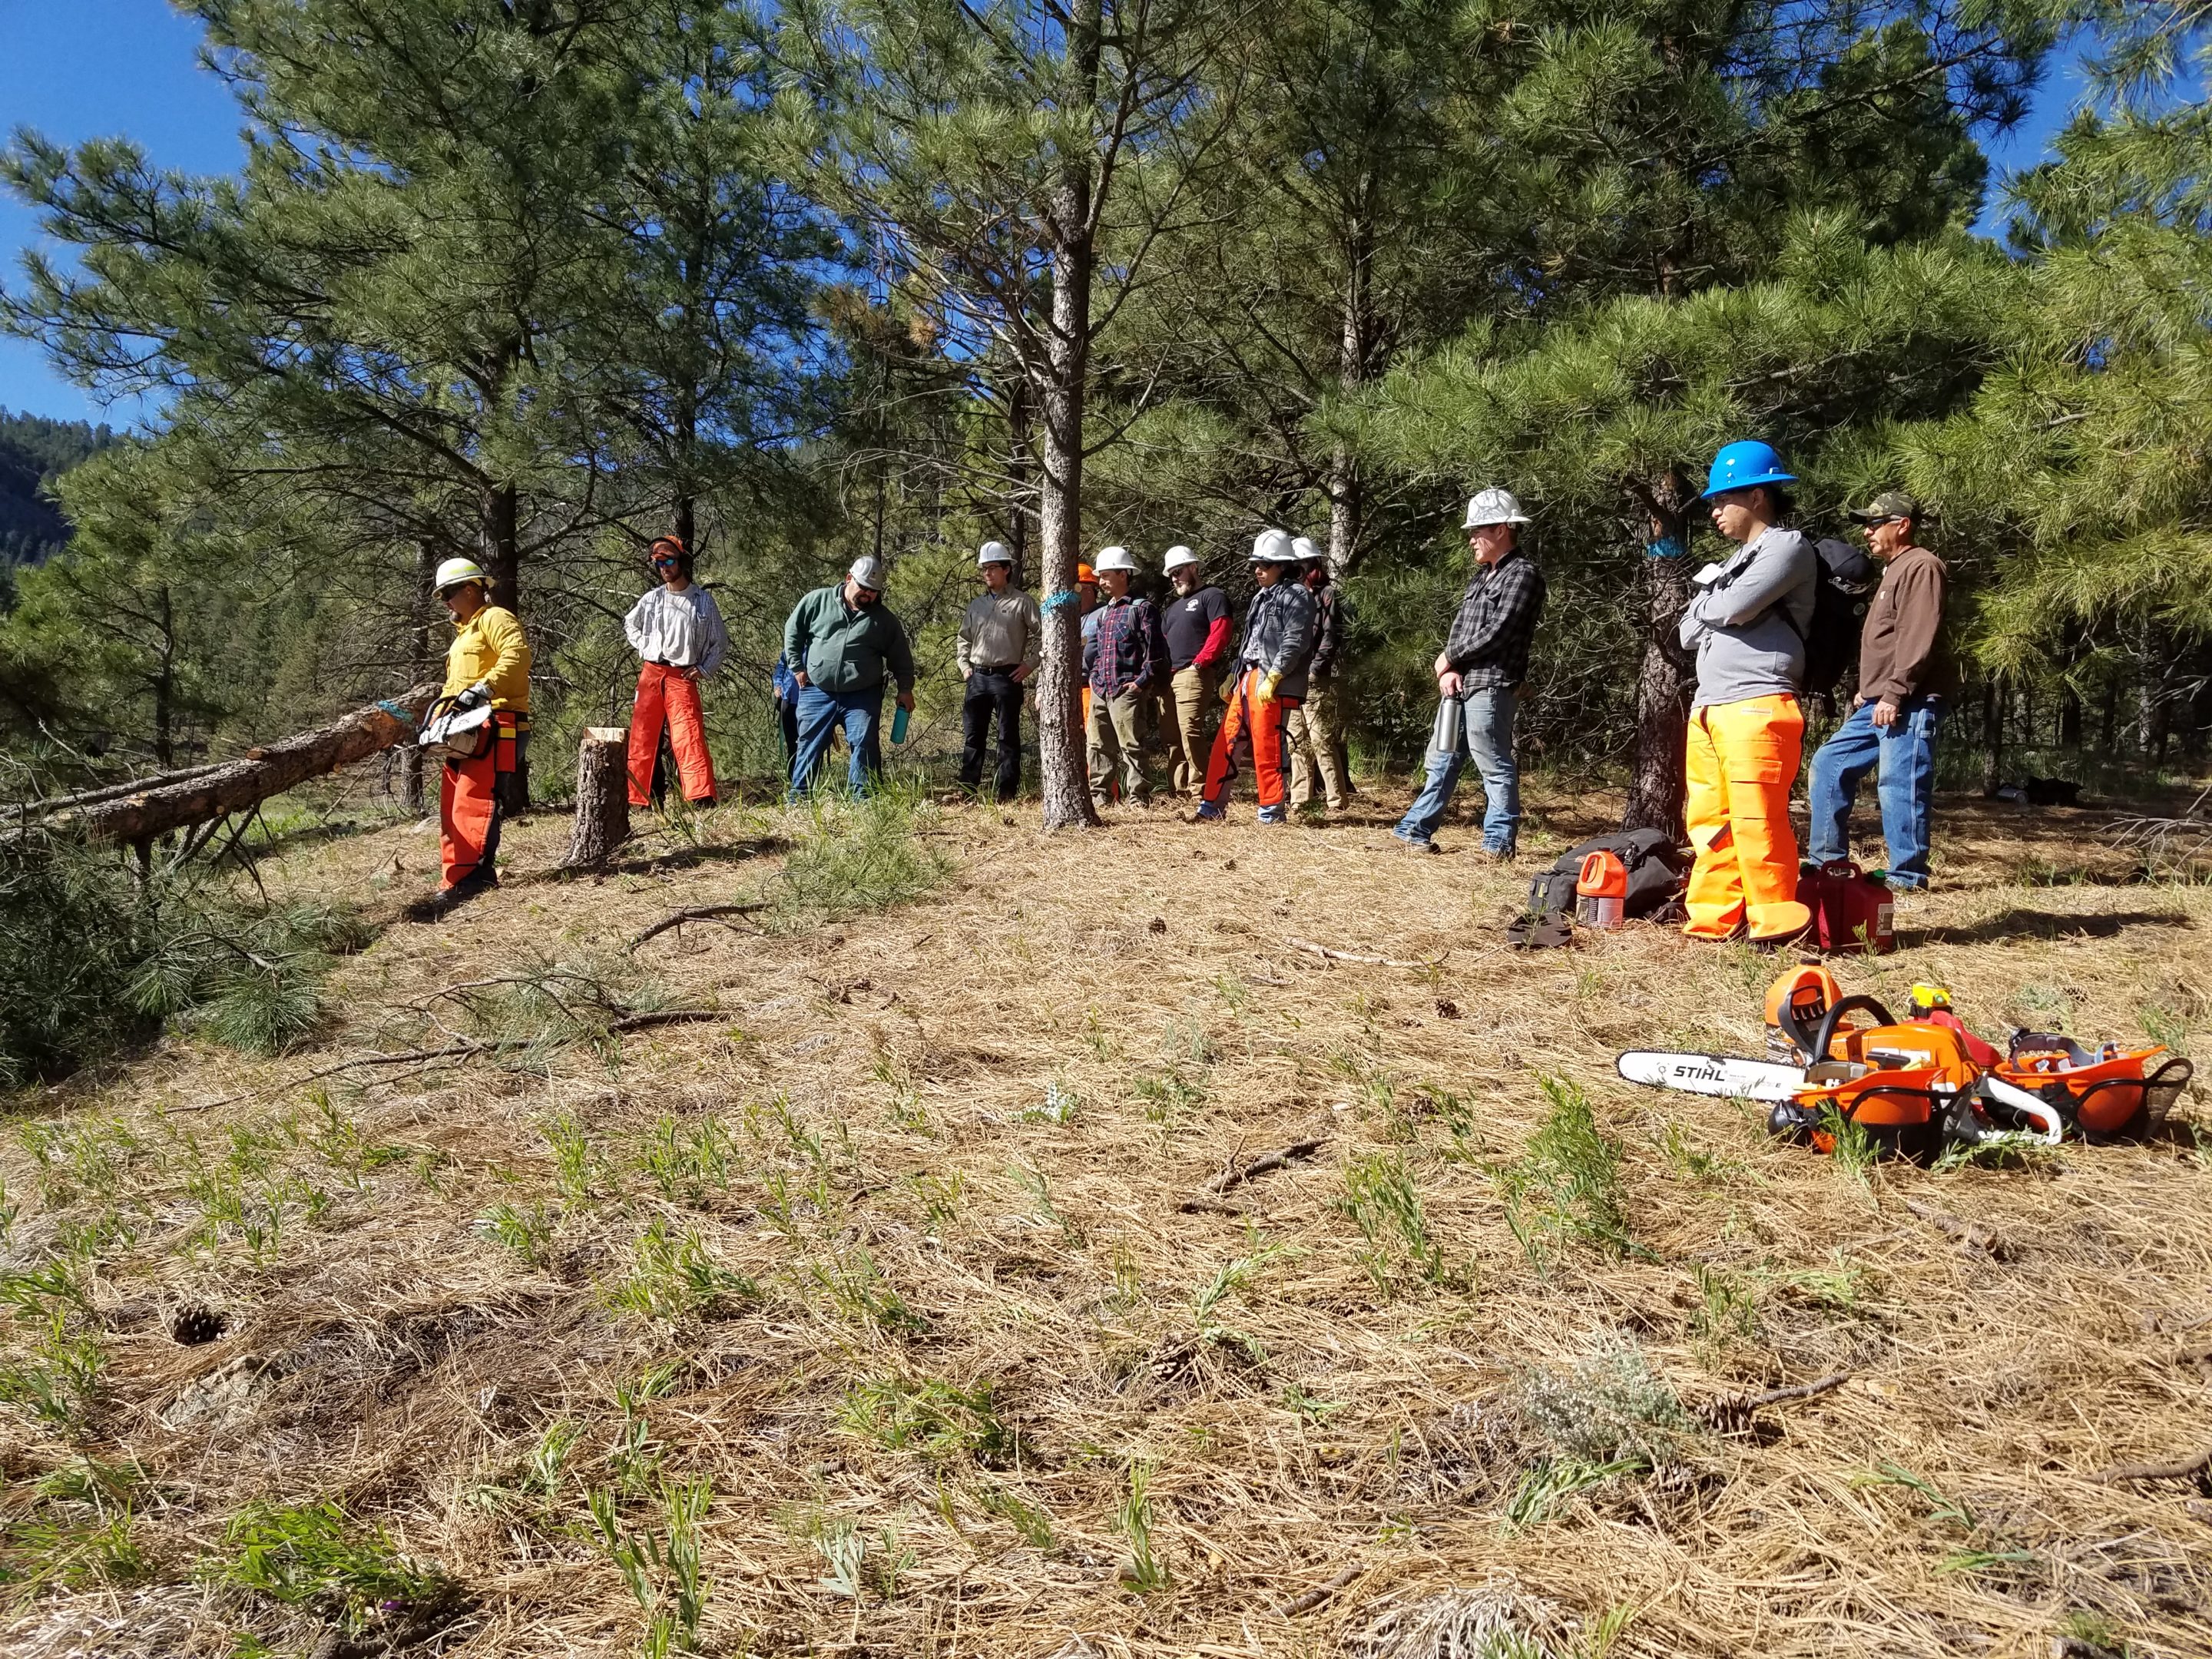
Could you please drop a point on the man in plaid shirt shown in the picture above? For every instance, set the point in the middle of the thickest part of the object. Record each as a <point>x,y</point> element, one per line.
<point>1485,658</point>
<point>1121,655</point>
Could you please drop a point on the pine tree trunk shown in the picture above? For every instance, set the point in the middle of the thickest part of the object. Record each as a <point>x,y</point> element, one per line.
<point>157,805</point>
<point>1061,392</point>
<point>602,797</point>
<point>501,533</point>
<point>1018,478</point>
<point>1355,350</point>
<point>422,659</point>
<point>1656,787</point>
<point>1993,711</point>
<point>165,689</point>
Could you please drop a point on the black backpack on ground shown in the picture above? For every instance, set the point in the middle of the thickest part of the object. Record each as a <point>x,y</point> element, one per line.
<point>1656,871</point>
<point>1841,598</point>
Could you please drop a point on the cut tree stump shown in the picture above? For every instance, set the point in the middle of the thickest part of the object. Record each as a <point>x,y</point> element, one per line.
<point>602,797</point>
<point>137,814</point>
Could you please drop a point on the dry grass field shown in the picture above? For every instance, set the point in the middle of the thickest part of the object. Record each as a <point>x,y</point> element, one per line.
<point>1071,1261</point>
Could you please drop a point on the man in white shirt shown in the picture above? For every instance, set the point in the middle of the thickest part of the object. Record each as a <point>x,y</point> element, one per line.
<point>677,632</point>
<point>1001,640</point>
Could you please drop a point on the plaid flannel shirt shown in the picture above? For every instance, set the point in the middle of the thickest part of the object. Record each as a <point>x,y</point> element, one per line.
<point>1488,645</point>
<point>1124,648</point>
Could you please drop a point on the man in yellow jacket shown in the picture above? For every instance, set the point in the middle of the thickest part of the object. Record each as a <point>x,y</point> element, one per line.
<point>487,663</point>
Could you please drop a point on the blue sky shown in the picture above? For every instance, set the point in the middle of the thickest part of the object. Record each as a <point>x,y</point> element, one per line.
<point>75,70</point>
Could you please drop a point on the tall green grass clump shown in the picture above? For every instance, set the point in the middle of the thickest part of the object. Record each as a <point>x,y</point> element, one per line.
<point>312,1555</point>
<point>856,855</point>
<point>1566,1189</point>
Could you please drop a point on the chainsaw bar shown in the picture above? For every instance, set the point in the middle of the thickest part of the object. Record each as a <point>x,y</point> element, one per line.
<point>1713,1074</point>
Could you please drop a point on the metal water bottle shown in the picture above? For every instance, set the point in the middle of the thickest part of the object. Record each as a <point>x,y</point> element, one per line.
<point>898,727</point>
<point>1451,724</point>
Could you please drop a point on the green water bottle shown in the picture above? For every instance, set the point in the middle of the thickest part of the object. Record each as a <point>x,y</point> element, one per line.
<point>898,726</point>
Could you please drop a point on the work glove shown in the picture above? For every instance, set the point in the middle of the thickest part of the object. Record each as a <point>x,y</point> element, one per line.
<point>1266,688</point>
<point>475,697</point>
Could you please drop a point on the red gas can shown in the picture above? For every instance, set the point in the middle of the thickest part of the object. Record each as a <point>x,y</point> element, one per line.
<point>1851,910</point>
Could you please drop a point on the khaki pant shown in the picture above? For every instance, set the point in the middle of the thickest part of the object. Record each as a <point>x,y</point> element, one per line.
<point>1316,740</point>
<point>1188,708</point>
<point>1117,748</point>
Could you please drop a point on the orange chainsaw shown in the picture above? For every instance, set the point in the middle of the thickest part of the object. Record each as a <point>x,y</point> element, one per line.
<point>1915,1085</point>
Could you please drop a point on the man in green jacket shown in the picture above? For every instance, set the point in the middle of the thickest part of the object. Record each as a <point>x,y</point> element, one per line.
<point>839,641</point>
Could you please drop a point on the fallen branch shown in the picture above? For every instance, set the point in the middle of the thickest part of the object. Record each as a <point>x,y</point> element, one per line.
<point>697,912</point>
<point>1735,1410</point>
<point>1308,1599</point>
<point>665,1016</point>
<point>2181,1468</point>
<point>1353,956</point>
<point>1266,1163</point>
<point>1971,1235</point>
<point>1811,1390</point>
<point>460,1050</point>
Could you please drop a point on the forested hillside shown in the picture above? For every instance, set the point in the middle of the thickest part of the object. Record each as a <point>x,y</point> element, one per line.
<point>34,453</point>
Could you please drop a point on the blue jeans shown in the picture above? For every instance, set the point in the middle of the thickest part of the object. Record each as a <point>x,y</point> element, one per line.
<point>1903,757</point>
<point>1486,739</point>
<point>820,713</point>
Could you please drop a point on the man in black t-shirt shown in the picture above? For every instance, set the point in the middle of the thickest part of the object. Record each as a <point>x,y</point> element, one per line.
<point>1195,625</point>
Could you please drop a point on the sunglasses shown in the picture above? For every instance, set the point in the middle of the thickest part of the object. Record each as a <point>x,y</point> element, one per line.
<point>868,595</point>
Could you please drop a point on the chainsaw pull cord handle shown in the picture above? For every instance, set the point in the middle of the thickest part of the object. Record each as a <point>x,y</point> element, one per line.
<point>1819,1050</point>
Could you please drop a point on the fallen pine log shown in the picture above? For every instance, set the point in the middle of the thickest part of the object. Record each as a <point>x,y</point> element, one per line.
<point>135,816</point>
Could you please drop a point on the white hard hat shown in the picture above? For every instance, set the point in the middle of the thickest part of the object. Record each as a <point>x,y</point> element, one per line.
<point>868,571</point>
<point>454,572</point>
<point>1493,506</point>
<point>1114,558</point>
<point>993,553</point>
<point>1302,547</point>
<point>1271,547</point>
<point>1178,556</point>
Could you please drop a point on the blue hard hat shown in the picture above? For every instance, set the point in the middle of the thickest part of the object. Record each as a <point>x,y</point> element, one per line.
<point>1740,466</point>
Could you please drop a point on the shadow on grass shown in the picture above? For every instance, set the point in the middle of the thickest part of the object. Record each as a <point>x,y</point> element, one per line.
<point>633,858</point>
<point>2014,923</point>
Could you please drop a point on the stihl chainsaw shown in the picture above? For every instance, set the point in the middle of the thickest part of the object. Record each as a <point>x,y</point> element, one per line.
<point>1919,1085</point>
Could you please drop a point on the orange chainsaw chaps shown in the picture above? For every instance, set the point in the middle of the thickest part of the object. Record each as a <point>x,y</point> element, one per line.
<point>2105,1095</point>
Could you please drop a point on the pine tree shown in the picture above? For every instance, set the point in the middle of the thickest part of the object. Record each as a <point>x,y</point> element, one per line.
<point>2084,457</point>
<point>1606,424</point>
<point>1664,153</point>
<point>1013,166</point>
<point>380,311</point>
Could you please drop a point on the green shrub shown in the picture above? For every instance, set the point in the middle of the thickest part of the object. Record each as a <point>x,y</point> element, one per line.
<point>855,856</point>
<point>92,960</point>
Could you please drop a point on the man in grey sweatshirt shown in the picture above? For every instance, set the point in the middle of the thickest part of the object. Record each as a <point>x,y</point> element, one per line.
<point>1746,621</point>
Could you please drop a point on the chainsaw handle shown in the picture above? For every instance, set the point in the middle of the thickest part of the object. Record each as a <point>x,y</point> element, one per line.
<point>2034,1108</point>
<point>1829,1021</point>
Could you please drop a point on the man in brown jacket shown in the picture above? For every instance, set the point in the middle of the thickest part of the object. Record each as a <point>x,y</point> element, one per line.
<point>1890,731</point>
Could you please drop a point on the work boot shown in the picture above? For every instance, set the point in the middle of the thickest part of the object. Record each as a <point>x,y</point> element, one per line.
<point>1208,813</point>
<point>1413,844</point>
<point>450,899</point>
<point>1272,815</point>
